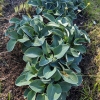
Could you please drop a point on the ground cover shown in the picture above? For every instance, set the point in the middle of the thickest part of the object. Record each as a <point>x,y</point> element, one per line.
<point>11,64</point>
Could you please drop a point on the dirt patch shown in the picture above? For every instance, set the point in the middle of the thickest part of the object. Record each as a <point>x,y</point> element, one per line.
<point>11,64</point>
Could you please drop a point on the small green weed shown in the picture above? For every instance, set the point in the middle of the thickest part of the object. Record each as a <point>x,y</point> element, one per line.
<point>9,96</point>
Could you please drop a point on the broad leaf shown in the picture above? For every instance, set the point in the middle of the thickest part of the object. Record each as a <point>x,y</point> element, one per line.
<point>40,72</point>
<point>31,95</point>
<point>11,44</point>
<point>13,34</point>
<point>69,59</point>
<point>79,41</point>
<point>38,42</point>
<point>74,52</point>
<point>53,24</point>
<point>24,39</point>
<point>75,67</point>
<point>47,72</point>
<point>14,20</point>
<point>33,52</point>
<point>69,76</point>
<point>53,91</point>
<point>80,48</point>
<point>49,17</point>
<point>30,75</point>
<point>77,60</point>
<point>58,32</point>
<point>26,92</point>
<point>46,48</point>
<point>60,51</point>
<point>56,41</point>
<point>65,86</point>
<point>28,30</point>
<point>34,2</point>
<point>37,86</point>
<point>38,10</point>
<point>41,97</point>
<point>26,18</point>
<point>43,61</point>
<point>56,76</point>
<point>63,96</point>
<point>21,81</point>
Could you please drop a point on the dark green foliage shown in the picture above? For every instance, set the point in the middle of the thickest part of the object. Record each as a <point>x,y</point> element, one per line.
<point>58,7</point>
<point>52,53</point>
<point>52,50</point>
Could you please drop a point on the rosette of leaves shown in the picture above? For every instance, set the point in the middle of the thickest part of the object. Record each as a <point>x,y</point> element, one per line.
<point>52,52</point>
<point>58,7</point>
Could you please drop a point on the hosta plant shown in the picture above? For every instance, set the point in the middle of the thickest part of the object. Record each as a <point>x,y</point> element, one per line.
<point>52,51</point>
<point>58,7</point>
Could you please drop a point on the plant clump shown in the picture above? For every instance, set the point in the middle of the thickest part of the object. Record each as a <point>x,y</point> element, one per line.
<point>52,50</point>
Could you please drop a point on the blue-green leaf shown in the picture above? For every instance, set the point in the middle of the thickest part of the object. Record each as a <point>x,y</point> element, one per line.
<point>31,95</point>
<point>47,72</point>
<point>60,50</point>
<point>77,60</point>
<point>41,97</point>
<point>37,86</point>
<point>28,30</point>
<point>74,52</point>
<point>33,52</point>
<point>40,72</point>
<point>53,91</point>
<point>11,44</point>
<point>69,76</point>
<point>49,17</point>
<point>58,32</point>
<point>79,41</point>
<point>26,92</point>
<point>26,18</point>
<point>39,10</point>
<point>65,86</point>
<point>33,2</point>
<point>21,81</point>
<point>27,59</point>
<point>80,48</point>
<point>24,39</point>
<point>46,48</point>
<point>53,24</point>
<point>69,59</point>
<point>43,61</point>
<point>63,96</point>
<point>38,41</point>
<point>13,34</point>
<point>79,80</point>
<point>14,20</point>
<point>75,67</point>
<point>30,75</point>
<point>56,76</point>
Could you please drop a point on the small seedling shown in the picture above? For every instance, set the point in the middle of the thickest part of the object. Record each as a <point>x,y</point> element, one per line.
<point>9,96</point>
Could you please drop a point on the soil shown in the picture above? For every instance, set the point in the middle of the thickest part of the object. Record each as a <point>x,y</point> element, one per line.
<point>11,63</point>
